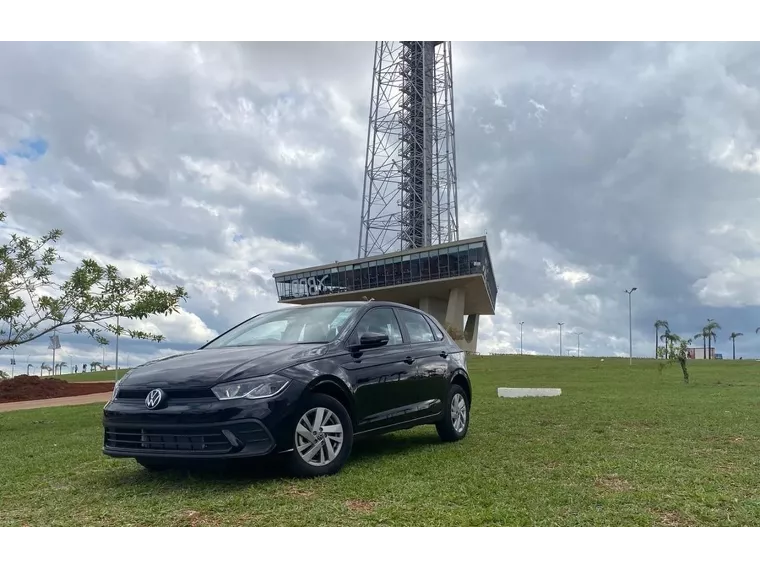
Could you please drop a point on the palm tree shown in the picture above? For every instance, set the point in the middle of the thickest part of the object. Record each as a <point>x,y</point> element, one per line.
<point>710,328</point>
<point>703,335</point>
<point>60,367</point>
<point>94,366</point>
<point>657,325</point>
<point>665,339</point>
<point>733,337</point>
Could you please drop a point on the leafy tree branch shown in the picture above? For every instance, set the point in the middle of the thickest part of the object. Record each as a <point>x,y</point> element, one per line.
<point>33,304</point>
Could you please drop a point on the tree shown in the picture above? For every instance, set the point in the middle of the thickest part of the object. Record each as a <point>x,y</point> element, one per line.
<point>34,304</point>
<point>678,349</point>
<point>657,325</point>
<point>710,328</point>
<point>703,335</point>
<point>94,366</point>
<point>733,337</point>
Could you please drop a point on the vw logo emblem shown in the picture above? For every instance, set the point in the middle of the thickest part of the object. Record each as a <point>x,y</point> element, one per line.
<point>154,398</point>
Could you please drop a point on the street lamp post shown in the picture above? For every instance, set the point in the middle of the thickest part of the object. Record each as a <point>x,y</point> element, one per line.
<point>560,324</point>
<point>578,334</point>
<point>521,337</point>
<point>630,326</point>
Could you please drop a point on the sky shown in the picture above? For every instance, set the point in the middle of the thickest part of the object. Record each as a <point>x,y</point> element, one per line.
<point>591,167</point>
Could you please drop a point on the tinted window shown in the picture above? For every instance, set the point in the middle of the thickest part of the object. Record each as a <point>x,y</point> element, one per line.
<point>417,326</point>
<point>437,333</point>
<point>381,320</point>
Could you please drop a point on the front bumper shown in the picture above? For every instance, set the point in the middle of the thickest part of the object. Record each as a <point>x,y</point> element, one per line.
<point>201,429</point>
<point>237,439</point>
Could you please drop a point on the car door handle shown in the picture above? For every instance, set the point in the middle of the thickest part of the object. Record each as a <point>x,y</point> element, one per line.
<point>443,354</point>
<point>408,360</point>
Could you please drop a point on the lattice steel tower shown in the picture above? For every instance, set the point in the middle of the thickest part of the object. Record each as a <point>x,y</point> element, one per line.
<point>410,178</point>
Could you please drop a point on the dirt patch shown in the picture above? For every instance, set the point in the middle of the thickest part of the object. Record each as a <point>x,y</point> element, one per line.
<point>294,491</point>
<point>671,519</point>
<point>360,506</point>
<point>198,519</point>
<point>612,482</point>
<point>25,387</point>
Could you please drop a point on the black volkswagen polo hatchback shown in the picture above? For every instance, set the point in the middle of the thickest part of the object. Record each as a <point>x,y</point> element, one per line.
<point>302,381</point>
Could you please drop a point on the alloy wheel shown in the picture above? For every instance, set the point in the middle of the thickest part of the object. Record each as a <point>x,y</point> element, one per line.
<point>319,436</point>
<point>458,412</point>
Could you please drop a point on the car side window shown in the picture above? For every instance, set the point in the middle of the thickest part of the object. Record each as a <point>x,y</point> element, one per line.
<point>381,320</point>
<point>417,327</point>
<point>437,333</point>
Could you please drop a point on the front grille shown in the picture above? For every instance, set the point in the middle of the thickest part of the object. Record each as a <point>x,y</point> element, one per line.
<point>172,395</point>
<point>206,439</point>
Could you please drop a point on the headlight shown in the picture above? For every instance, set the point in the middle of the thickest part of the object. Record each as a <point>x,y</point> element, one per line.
<point>116,386</point>
<point>115,390</point>
<point>263,387</point>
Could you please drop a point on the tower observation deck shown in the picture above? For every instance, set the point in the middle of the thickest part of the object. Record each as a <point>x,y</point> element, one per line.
<point>409,249</point>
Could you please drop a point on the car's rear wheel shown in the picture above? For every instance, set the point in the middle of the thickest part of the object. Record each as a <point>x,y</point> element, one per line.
<point>322,438</point>
<point>455,422</point>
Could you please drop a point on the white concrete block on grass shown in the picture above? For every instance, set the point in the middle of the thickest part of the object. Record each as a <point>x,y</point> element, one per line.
<point>519,393</point>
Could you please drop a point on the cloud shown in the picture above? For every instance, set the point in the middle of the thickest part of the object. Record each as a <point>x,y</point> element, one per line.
<point>592,167</point>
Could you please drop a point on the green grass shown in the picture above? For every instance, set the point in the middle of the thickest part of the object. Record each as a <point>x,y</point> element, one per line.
<point>86,377</point>
<point>621,446</point>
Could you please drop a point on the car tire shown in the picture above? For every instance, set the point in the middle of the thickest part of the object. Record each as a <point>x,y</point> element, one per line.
<point>328,445</point>
<point>455,422</point>
<point>154,464</point>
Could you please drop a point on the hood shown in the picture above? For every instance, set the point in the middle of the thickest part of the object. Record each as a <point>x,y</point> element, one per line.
<point>207,367</point>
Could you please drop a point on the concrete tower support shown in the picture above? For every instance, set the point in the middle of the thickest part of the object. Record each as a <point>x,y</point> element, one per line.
<point>451,314</point>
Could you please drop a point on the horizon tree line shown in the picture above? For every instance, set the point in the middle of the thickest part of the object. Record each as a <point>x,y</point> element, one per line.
<point>708,334</point>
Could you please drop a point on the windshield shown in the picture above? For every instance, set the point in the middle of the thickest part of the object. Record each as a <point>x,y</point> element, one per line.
<point>319,324</point>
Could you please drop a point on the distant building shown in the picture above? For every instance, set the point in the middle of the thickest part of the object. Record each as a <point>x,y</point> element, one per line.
<point>699,352</point>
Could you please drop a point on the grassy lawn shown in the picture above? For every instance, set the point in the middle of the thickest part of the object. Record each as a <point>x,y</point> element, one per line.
<point>96,376</point>
<point>621,446</point>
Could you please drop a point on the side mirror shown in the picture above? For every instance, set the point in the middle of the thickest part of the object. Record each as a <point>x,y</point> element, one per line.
<point>370,339</point>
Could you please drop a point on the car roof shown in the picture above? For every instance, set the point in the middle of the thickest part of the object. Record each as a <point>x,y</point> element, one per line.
<point>352,304</point>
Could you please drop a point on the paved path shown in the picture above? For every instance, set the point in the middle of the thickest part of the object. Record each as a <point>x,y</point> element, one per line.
<point>60,401</point>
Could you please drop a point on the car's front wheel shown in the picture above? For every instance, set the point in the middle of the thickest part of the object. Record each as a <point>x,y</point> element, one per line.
<point>322,438</point>
<point>455,422</point>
